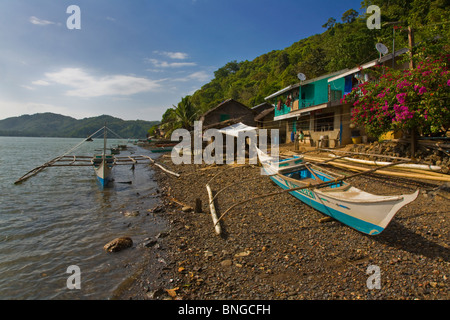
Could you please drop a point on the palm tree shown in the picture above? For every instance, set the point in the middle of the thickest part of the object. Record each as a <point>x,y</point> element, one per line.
<point>181,116</point>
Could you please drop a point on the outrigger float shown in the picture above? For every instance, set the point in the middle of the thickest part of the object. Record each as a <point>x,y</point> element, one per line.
<point>103,163</point>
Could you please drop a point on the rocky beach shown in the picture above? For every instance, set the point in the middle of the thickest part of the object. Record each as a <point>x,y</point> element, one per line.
<point>278,248</point>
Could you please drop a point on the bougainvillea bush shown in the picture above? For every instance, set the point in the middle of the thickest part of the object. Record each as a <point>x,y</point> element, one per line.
<point>417,98</point>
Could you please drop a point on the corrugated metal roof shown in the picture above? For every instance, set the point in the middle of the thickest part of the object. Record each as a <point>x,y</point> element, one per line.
<point>370,64</point>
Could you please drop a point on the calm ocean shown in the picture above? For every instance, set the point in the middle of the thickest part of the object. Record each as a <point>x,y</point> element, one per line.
<point>61,218</point>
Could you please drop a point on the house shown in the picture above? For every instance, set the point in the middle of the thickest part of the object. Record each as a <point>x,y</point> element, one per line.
<point>262,107</point>
<point>264,120</point>
<point>314,106</point>
<point>229,111</point>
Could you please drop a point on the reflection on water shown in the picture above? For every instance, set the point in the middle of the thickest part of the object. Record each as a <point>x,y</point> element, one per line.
<point>61,218</point>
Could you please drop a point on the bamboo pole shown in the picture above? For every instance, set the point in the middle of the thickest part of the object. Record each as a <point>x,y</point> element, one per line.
<point>212,209</point>
<point>416,166</point>
<point>427,176</point>
<point>162,168</point>
<point>364,154</point>
<point>36,170</point>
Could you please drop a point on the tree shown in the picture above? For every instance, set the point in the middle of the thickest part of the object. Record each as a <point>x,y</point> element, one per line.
<point>349,16</point>
<point>181,116</point>
<point>329,24</point>
<point>230,68</point>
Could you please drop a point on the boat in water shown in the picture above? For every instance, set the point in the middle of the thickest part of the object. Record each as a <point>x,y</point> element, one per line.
<point>162,147</point>
<point>363,211</point>
<point>103,164</point>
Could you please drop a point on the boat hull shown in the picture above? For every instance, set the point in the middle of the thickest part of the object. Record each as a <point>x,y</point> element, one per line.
<point>103,169</point>
<point>162,149</point>
<point>365,212</point>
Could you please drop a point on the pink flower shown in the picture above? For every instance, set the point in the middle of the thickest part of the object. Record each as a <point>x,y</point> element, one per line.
<point>422,90</point>
<point>448,82</point>
<point>401,97</point>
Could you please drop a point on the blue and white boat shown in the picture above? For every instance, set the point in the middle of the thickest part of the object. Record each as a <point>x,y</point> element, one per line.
<point>103,164</point>
<point>363,211</point>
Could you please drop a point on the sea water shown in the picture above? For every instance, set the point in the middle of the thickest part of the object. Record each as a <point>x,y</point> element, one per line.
<point>61,218</point>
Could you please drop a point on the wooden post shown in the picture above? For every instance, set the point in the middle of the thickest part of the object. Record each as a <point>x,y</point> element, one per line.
<point>198,206</point>
<point>411,45</point>
<point>411,66</point>
<point>215,219</point>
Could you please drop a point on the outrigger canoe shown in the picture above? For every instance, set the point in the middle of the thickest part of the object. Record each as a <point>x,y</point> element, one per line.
<point>363,211</point>
<point>103,164</point>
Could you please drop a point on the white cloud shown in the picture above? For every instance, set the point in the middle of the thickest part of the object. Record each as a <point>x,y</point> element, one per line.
<point>165,64</point>
<point>28,87</point>
<point>173,55</point>
<point>40,22</point>
<point>201,76</point>
<point>85,85</point>
<point>41,83</point>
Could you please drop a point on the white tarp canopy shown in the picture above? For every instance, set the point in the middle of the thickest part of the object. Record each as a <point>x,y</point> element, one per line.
<point>234,129</point>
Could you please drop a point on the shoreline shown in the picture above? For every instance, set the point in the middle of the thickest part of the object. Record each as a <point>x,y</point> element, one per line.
<point>277,248</point>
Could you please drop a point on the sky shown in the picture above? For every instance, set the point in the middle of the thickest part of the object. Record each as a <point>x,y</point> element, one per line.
<point>134,59</point>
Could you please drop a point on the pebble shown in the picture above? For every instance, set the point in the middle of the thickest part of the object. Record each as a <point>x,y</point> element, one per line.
<point>226,263</point>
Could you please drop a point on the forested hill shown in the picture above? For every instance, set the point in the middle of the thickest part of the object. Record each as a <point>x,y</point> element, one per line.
<point>345,43</point>
<point>56,125</point>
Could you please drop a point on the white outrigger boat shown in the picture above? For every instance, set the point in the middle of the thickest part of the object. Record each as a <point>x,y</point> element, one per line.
<point>103,163</point>
<point>363,211</point>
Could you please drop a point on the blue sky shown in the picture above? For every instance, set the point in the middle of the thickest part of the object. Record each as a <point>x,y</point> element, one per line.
<point>133,59</point>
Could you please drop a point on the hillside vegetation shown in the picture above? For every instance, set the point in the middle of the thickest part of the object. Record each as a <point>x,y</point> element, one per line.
<point>345,43</point>
<point>55,125</point>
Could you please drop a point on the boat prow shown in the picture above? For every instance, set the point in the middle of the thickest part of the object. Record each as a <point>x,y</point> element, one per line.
<point>103,165</point>
<point>405,199</point>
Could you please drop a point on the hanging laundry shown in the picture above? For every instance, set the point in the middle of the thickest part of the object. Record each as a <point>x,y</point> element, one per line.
<point>280,103</point>
<point>288,101</point>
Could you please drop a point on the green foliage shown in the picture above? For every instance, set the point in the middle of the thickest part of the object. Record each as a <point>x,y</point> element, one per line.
<point>55,125</point>
<point>330,23</point>
<point>344,45</point>
<point>349,16</point>
<point>181,116</point>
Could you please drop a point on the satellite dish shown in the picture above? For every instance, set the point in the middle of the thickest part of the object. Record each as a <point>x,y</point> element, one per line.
<point>301,76</point>
<point>381,48</point>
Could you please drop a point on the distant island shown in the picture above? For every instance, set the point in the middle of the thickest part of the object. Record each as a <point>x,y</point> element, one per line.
<point>56,125</point>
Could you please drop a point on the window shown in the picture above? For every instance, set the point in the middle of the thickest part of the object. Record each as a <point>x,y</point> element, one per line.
<point>224,117</point>
<point>324,122</point>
